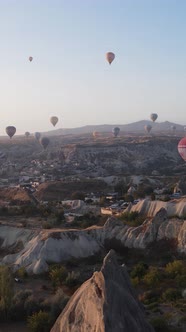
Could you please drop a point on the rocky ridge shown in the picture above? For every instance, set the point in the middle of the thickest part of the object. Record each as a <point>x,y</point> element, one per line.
<point>55,246</point>
<point>149,208</point>
<point>124,156</point>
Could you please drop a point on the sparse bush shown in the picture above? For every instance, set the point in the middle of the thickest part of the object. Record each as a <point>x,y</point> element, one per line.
<point>39,322</point>
<point>31,305</point>
<point>47,225</point>
<point>159,324</point>
<point>182,320</point>
<point>78,195</point>
<point>152,278</point>
<point>171,294</point>
<point>142,191</point>
<point>139,270</point>
<point>153,197</point>
<point>102,200</point>
<point>6,291</point>
<point>181,281</point>
<point>176,268</point>
<point>57,304</point>
<point>22,273</point>
<point>59,217</point>
<point>3,211</point>
<point>22,295</point>
<point>58,275</point>
<point>128,198</point>
<point>18,311</point>
<point>72,279</point>
<point>135,281</point>
<point>132,218</point>
<point>152,305</point>
<point>150,296</point>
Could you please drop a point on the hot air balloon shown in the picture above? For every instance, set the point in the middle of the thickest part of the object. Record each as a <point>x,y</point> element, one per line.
<point>110,57</point>
<point>30,58</point>
<point>182,148</point>
<point>10,130</point>
<point>37,136</point>
<point>27,134</point>
<point>173,128</point>
<point>54,120</point>
<point>44,142</point>
<point>148,128</point>
<point>95,134</point>
<point>154,116</point>
<point>116,131</point>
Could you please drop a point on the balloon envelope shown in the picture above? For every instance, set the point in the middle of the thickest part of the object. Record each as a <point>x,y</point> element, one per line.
<point>37,135</point>
<point>116,131</point>
<point>110,57</point>
<point>44,142</point>
<point>10,130</point>
<point>148,128</point>
<point>182,148</point>
<point>95,134</point>
<point>154,116</point>
<point>30,58</point>
<point>54,120</point>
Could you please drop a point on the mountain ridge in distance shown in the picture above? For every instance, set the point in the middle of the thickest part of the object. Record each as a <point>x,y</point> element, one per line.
<point>134,127</point>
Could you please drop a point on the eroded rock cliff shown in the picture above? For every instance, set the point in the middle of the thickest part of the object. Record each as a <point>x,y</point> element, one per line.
<point>55,246</point>
<point>104,303</point>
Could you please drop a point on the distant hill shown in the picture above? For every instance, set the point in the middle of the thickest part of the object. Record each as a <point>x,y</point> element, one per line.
<point>134,127</point>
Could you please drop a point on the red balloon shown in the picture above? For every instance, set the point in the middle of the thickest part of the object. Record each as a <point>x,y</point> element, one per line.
<point>182,148</point>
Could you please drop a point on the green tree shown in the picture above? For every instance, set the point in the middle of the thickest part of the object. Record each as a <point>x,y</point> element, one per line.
<point>72,279</point>
<point>6,290</point>
<point>39,322</point>
<point>21,272</point>
<point>128,198</point>
<point>121,188</point>
<point>57,275</point>
<point>102,200</point>
<point>153,277</point>
<point>176,268</point>
<point>159,324</point>
<point>59,216</point>
<point>171,294</point>
<point>139,270</point>
<point>78,195</point>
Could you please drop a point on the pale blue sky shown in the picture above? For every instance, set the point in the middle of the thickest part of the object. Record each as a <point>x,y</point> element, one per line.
<point>69,76</point>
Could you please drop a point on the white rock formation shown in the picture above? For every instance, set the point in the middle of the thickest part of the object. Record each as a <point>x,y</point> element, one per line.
<point>149,208</point>
<point>54,246</point>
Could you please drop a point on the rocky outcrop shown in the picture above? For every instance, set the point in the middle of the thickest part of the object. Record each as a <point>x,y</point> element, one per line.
<point>181,186</point>
<point>104,303</point>
<point>55,246</point>
<point>149,208</point>
<point>124,156</point>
